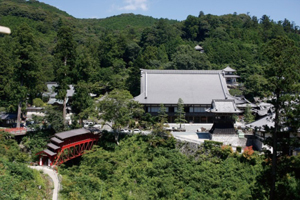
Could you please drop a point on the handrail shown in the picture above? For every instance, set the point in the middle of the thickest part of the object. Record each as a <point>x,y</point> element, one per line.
<point>14,129</point>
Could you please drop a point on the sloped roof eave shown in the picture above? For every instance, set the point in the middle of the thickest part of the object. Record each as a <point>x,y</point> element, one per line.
<point>192,86</point>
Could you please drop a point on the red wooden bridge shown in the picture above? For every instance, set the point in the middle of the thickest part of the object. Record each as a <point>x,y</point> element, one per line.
<point>67,145</point>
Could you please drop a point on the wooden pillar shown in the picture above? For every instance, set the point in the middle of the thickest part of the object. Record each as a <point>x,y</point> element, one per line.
<point>41,160</point>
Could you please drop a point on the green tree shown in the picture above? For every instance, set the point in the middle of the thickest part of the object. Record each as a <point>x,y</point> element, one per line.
<point>256,86</point>
<point>160,125</point>
<point>180,114</point>
<point>191,27</point>
<point>162,114</point>
<point>117,109</point>
<point>248,117</point>
<point>283,75</point>
<point>54,119</point>
<point>187,58</point>
<point>38,102</point>
<point>6,72</point>
<point>65,55</point>
<point>82,103</point>
<point>28,76</point>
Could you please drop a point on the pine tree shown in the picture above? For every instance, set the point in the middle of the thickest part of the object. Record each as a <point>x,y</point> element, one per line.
<point>162,114</point>
<point>180,114</point>
<point>283,75</point>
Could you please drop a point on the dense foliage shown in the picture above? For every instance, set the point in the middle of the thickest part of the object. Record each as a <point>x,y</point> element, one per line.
<point>17,180</point>
<point>106,55</point>
<point>136,169</point>
<point>110,52</point>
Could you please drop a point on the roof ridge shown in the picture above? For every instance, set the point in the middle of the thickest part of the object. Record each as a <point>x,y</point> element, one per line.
<point>176,71</point>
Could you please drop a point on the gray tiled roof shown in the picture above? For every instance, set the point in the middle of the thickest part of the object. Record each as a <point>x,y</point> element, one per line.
<point>229,69</point>
<point>231,76</point>
<point>224,106</point>
<point>263,112</point>
<point>58,101</point>
<point>265,121</point>
<point>192,86</point>
<point>51,90</point>
<point>72,133</point>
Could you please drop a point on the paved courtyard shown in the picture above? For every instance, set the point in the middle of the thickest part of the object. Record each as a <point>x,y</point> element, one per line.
<point>191,132</point>
<point>192,135</point>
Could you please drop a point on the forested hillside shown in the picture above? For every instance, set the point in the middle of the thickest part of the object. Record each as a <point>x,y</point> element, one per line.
<point>103,55</point>
<point>109,53</point>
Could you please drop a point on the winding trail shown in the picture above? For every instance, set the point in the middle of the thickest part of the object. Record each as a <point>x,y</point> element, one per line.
<point>53,175</point>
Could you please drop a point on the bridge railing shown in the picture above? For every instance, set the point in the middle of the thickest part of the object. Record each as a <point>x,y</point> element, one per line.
<point>15,131</point>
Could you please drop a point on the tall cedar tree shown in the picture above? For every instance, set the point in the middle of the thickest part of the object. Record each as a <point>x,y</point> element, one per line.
<point>27,72</point>
<point>283,74</point>
<point>65,56</point>
<point>180,114</point>
<point>82,104</point>
<point>6,74</point>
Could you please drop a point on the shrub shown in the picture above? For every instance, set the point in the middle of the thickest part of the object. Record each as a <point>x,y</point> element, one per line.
<point>38,102</point>
<point>239,149</point>
<point>248,152</point>
<point>226,150</point>
<point>208,144</point>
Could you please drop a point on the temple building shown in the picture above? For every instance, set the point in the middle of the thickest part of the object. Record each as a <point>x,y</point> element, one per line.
<point>230,76</point>
<point>201,91</point>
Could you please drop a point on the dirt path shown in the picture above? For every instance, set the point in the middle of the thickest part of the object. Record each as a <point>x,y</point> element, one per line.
<point>53,175</point>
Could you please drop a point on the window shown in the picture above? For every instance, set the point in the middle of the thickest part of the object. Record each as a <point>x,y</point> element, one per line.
<point>155,109</point>
<point>186,109</point>
<point>200,109</point>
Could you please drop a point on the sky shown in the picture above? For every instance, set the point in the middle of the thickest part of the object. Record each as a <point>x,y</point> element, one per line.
<point>179,9</point>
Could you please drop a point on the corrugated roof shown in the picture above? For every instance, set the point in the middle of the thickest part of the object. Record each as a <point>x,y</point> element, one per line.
<point>50,153</point>
<point>72,133</point>
<point>53,146</point>
<point>56,140</point>
<point>192,86</point>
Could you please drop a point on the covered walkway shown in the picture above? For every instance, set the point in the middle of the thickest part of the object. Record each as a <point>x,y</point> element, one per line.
<point>67,145</point>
